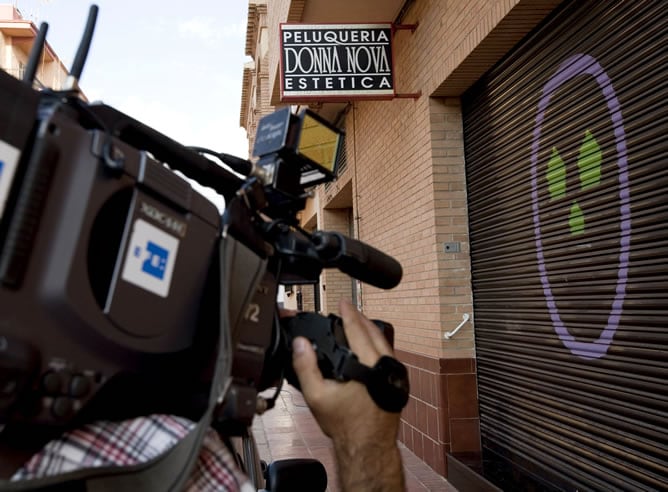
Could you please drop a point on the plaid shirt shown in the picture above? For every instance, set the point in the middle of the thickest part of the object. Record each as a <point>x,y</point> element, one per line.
<point>135,441</point>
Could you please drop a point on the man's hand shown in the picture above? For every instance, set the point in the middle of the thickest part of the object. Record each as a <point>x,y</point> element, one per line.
<point>364,436</point>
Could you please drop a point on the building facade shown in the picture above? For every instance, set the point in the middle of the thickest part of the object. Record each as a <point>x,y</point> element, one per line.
<point>510,176</point>
<point>16,40</point>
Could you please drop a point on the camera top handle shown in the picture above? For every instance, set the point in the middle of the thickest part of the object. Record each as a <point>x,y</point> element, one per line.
<point>188,161</point>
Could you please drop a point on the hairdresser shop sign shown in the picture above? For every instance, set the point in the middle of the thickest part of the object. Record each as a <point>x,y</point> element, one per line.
<point>336,62</point>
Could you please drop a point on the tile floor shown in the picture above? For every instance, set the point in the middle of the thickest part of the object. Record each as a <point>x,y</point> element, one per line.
<point>290,431</point>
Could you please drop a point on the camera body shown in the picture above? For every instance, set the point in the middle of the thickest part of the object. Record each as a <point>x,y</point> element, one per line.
<point>103,268</point>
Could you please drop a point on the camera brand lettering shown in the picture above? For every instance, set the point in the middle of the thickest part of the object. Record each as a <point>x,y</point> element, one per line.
<point>336,60</point>
<point>9,157</point>
<point>164,219</point>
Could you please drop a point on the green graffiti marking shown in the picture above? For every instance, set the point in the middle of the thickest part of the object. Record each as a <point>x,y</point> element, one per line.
<point>589,166</point>
<point>556,175</point>
<point>576,220</point>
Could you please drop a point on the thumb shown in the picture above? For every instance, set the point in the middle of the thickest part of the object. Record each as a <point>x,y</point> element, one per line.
<point>305,364</point>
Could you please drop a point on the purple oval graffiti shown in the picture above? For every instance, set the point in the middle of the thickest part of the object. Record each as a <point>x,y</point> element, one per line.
<point>581,64</point>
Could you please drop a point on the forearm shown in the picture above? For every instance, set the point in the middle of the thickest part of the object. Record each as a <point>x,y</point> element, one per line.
<point>364,434</point>
<point>369,467</point>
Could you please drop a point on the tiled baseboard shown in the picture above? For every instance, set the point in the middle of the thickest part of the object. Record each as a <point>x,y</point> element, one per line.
<point>442,413</point>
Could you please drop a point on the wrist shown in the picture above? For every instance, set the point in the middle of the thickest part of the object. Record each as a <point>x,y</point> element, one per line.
<point>369,466</point>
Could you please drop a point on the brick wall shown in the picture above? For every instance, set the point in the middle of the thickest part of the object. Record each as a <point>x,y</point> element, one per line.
<point>405,161</point>
<point>335,285</point>
<point>307,297</point>
<point>410,199</point>
<point>411,176</point>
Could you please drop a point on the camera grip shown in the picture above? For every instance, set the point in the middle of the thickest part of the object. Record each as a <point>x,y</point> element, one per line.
<point>386,382</point>
<point>326,336</point>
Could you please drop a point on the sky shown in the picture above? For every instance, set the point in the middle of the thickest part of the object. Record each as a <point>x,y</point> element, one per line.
<point>175,66</point>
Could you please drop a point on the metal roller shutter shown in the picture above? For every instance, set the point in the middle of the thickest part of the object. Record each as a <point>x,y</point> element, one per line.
<point>567,173</point>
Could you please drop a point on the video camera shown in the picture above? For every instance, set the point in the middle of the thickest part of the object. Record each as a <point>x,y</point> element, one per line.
<point>119,283</point>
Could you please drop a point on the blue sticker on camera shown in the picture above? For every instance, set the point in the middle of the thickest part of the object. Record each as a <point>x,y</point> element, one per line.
<point>150,258</point>
<point>156,261</point>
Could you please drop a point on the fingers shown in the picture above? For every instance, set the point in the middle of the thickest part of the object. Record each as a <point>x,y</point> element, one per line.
<point>365,338</point>
<point>305,364</point>
<point>378,338</point>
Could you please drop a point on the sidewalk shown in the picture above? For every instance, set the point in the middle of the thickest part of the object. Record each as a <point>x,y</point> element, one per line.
<point>290,431</point>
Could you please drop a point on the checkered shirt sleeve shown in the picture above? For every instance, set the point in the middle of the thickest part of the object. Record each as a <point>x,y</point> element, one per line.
<point>135,441</point>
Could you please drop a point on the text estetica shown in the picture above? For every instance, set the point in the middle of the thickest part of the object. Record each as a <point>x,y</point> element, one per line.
<point>336,83</point>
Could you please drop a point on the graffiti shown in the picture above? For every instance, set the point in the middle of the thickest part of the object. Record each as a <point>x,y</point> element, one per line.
<point>589,165</point>
<point>589,170</point>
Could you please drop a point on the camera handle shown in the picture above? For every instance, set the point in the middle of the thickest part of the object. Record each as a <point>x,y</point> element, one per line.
<point>386,382</point>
